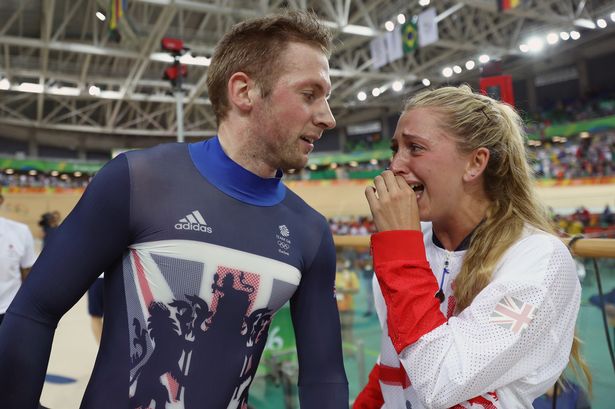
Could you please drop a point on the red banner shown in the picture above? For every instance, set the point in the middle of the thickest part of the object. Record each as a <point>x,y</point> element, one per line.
<point>498,87</point>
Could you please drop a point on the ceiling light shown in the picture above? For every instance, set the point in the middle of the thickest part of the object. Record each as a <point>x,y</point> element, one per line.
<point>564,36</point>
<point>32,172</point>
<point>359,30</point>
<point>77,174</point>
<point>389,25</point>
<point>524,48</point>
<point>111,94</point>
<point>313,166</point>
<point>401,19</point>
<point>9,171</point>
<point>100,16</point>
<point>535,44</point>
<point>584,134</point>
<point>585,23</point>
<point>376,92</point>
<point>68,91</point>
<point>30,87</point>
<point>397,86</point>
<point>192,60</point>
<point>5,83</point>
<point>54,173</point>
<point>353,163</point>
<point>575,35</point>
<point>94,90</point>
<point>601,23</point>
<point>552,38</point>
<point>361,96</point>
<point>457,69</point>
<point>373,161</point>
<point>424,3</point>
<point>162,57</point>
<point>470,64</point>
<point>426,82</point>
<point>483,59</point>
<point>613,17</point>
<point>447,72</point>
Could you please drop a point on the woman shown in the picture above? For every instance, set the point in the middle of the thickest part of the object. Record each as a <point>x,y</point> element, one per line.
<point>478,304</point>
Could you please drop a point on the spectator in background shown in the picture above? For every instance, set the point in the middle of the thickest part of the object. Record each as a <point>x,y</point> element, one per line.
<point>367,274</point>
<point>606,218</point>
<point>575,226</point>
<point>49,222</point>
<point>16,257</point>
<point>346,286</point>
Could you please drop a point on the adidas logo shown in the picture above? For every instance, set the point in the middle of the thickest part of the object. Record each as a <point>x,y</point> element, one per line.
<point>193,221</point>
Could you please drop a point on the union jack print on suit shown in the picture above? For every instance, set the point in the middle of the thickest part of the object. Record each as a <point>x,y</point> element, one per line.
<point>513,314</point>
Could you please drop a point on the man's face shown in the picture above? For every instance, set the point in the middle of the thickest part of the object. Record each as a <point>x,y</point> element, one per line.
<point>294,115</point>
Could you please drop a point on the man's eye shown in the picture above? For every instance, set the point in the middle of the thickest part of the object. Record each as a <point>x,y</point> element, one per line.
<point>309,96</point>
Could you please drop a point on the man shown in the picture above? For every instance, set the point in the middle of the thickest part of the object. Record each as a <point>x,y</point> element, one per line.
<point>16,257</point>
<point>200,245</point>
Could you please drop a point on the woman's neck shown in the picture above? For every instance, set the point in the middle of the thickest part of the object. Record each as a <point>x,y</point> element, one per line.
<point>451,231</point>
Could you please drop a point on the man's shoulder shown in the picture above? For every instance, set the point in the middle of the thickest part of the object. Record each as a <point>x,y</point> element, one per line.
<point>302,208</point>
<point>157,160</point>
<point>161,150</point>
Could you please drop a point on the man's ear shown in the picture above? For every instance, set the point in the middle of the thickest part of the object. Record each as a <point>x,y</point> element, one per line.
<point>476,164</point>
<point>240,90</point>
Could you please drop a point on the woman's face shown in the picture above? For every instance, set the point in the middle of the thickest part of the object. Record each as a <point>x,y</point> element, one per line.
<point>428,159</point>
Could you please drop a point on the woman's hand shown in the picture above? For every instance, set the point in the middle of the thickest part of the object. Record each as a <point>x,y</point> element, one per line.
<point>393,203</point>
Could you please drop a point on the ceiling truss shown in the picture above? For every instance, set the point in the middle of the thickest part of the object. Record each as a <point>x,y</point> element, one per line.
<point>60,44</point>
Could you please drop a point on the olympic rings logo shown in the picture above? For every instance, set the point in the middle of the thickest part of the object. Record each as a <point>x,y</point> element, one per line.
<point>283,245</point>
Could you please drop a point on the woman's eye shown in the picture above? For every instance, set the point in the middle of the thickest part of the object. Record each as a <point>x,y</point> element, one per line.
<point>415,148</point>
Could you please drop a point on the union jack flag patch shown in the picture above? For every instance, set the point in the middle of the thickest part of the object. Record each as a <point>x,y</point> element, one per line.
<point>513,314</point>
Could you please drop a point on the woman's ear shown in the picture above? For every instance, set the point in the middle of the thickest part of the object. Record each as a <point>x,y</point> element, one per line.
<point>476,164</point>
<point>239,86</point>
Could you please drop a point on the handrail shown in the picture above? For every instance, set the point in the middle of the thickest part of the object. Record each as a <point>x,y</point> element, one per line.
<point>598,248</point>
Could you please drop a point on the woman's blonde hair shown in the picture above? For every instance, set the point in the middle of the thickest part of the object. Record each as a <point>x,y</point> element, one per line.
<point>474,121</point>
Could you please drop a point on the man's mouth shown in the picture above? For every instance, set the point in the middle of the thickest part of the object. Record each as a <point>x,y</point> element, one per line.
<point>308,140</point>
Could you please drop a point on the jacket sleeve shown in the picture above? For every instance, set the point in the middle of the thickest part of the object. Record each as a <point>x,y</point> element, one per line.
<point>517,332</point>
<point>93,236</point>
<point>322,379</point>
<point>371,395</point>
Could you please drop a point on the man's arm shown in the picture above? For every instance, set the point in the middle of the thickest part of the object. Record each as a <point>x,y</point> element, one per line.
<point>92,237</point>
<point>322,379</point>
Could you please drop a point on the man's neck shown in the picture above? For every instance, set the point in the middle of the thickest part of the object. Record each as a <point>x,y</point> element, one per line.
<point>236,144</point>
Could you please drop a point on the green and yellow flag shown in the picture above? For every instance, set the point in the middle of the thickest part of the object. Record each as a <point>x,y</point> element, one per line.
<point>409,37</point>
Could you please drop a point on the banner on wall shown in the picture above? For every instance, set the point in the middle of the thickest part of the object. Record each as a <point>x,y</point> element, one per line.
<point>498,87</point>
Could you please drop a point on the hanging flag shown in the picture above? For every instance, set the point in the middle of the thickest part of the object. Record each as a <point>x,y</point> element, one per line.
<point>378,51</point>
<point>409,36</point>
<point>394,45</point>
<point>117,8</point>
<point>507,4</point>
<point>427,27</point>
